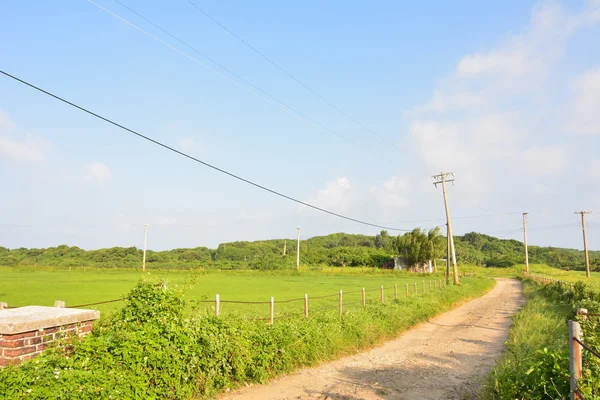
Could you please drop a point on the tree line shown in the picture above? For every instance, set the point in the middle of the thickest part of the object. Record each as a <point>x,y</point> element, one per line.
<point>338,249</point>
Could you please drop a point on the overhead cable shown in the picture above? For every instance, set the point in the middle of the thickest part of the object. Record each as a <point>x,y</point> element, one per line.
<point>296,79</point>
<point>160,144</point>
<point>253,88</point>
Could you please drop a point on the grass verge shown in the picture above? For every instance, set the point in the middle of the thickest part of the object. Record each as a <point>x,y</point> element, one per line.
<point>152,349</point>
<point>536,362</point>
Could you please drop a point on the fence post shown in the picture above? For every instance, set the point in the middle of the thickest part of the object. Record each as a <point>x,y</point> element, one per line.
<point>582,312</point>
<point>423,287</point>
<point>271,310</point>
<point>341,302</point>
<point>407,290</point>
<point>395,291</point>
<point>217,306</point>
<point>59,304</point>
<point>382,298</point>
<point>306,306</point>
<point>415,287</point>
<point>3,305</point>
<point>364,298</point>
<point>574,356</point>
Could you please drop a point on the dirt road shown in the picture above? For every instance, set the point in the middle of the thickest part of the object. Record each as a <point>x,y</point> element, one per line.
<point>444,358</point>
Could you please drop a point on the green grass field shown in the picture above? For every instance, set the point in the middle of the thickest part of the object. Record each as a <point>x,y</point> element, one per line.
<point>22,286</point>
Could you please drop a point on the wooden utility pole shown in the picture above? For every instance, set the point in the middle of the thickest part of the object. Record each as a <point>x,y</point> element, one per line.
<point>144,256</point>
<point>448,245</point>
<point>585,250</point>
<point>441,179</point>
<point>298,250</point>
<point>525,238</point>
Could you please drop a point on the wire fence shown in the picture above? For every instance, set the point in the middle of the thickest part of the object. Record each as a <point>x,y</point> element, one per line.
<point>294,307</point>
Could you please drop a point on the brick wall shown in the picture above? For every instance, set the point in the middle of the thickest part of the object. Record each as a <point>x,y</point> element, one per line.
<point>18,347</point>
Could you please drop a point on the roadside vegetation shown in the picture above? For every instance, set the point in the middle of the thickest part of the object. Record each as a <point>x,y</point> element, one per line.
<point>152,349</point>
<point>536,362</point>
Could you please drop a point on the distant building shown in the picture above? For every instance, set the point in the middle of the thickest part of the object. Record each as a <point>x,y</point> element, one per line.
<point>401,265</point>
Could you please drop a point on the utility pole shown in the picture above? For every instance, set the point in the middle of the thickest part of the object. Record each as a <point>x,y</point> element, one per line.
<point>525,238</point>
<point>585,250</point>
<point>298,250</point>
<point>447,254</point>
<point>145,237</point>
<point>441,179</point>
<point>284,247</point>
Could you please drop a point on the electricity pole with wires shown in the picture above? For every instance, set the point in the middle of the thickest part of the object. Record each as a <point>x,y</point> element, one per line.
<point>442,179</point>
<point>298,250</point>
<point>585,250</point>
<point>145,237</point>
<point>525,239</point>
<point>447,254</point>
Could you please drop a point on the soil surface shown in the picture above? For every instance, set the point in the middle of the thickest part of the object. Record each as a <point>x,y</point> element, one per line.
<point>443,358</point>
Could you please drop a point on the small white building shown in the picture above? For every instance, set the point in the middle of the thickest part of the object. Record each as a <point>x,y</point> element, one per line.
<point>401,265</point>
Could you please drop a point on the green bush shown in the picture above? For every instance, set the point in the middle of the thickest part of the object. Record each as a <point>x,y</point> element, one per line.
<point>152,349</point>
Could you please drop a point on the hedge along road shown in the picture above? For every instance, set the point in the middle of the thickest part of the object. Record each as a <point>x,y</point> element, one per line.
<point>444,358</point>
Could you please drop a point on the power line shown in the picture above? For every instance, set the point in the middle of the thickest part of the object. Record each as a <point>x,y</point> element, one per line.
<point>462,217</point>
<point>296,79</point>
<point>273,100</point>
<point>156,142</point>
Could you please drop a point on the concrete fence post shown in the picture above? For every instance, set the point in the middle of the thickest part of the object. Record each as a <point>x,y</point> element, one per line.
<point>306,306</point>
<point>575,361</point>
<point>341,303</point>
<point>271,310</point>
<point>3,305</point>
<point>423,287</point>
<point>395,291</point>
<point>407,290</point>
<point>415,287</point>
<point>364,298</point>
<point>382,295</point>
<point>217,306</point>
<point>59,304</point>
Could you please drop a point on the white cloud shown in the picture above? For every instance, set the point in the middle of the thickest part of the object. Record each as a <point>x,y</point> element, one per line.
<point>539,161</point>
<point>444,102</point>
<point>30,149</point>
<point>26,148</point>
<point>391,194</point>
<point>164,220</point>
<point>512,62</point>
<point>187,144</point>
<point>592,169</point>
<point>502,100</point>
<point>6,125</point>
<point>334,197</point>
<point>584,116</point>
<point>541,189</point>
<point>97,172</point>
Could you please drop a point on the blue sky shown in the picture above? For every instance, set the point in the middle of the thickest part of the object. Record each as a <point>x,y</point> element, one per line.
<point>506,95</point>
